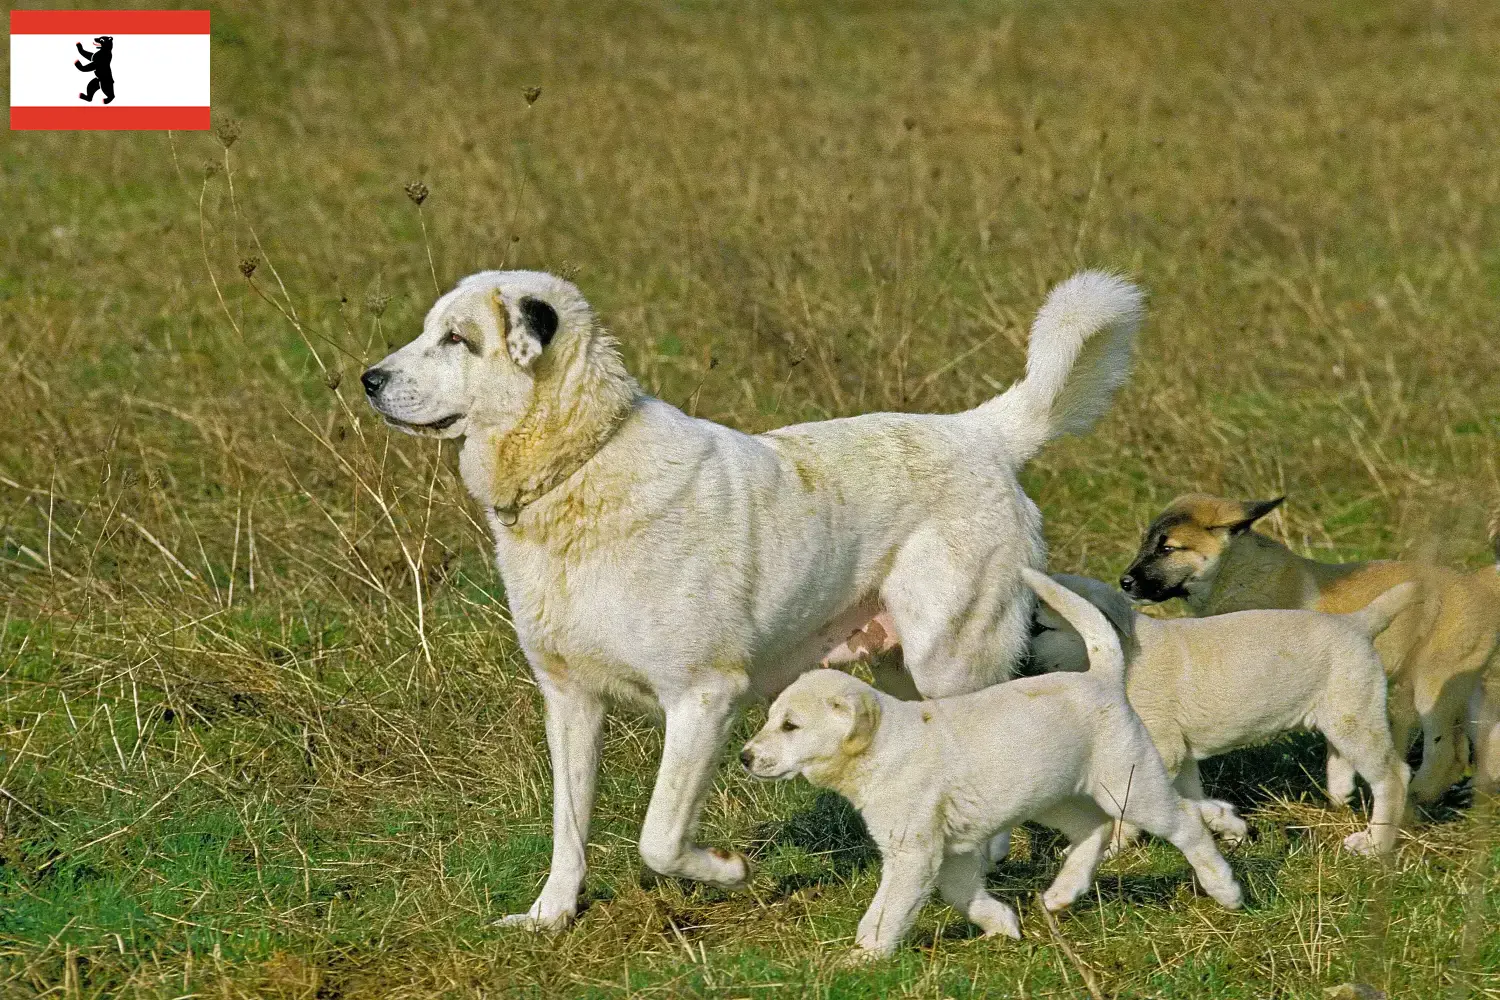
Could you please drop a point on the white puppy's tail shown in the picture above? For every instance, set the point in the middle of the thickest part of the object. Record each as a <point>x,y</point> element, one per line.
<point>1106,657</point>
<point>1080,351</point>
<point>1377,616</point>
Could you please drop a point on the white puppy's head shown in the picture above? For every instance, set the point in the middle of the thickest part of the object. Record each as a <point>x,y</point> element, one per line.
<point>475,363</point>
<point>815,728</point>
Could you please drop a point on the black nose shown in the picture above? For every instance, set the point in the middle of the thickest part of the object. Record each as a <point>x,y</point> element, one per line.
<point>1127,583</point>
<point>374,380</point>
<point>747,758</point>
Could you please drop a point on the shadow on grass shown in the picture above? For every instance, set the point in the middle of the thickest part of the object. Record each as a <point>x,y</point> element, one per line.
<point>830,829</point>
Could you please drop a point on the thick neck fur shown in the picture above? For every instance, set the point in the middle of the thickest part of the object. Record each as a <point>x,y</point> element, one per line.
<point>581,396</point>
<point>1256,571</point>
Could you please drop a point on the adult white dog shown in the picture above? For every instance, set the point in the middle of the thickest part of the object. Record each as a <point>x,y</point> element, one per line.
<point>671,562</point>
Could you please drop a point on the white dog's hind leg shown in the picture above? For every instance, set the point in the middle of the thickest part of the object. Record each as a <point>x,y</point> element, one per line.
<point>575,723</point>
<point>1088,830</point>
<point>961,881</point>
<point>697,726</point>
<point>1164,813</point>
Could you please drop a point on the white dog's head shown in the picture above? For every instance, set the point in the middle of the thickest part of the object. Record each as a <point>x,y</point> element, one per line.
<point>475,363</point>
<point>816,726</point>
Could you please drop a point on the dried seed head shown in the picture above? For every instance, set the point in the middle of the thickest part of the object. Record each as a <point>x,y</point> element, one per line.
<point>210,168</point>
<point>248,266</point>
<point>531,94</point>
<point>228,131</point>
<point>376,303</point>
<point>417,192</point>
<point>332,379</point>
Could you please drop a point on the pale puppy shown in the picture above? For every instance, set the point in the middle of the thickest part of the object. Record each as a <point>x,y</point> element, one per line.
<point>935,780</point>
<point>684,566</point>
<point>1204,686</point>
<point>1436,654</point>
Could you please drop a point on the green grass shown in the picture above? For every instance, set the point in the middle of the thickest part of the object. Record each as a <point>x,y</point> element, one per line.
<point>235,760</point>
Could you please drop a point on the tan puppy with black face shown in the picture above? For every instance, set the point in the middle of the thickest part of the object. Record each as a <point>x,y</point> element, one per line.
<point>935,780</point>
<point>1201,549</point>
<point>1205,686</point>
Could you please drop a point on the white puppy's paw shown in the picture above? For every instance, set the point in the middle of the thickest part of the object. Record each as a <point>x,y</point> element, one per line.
<point>538,920</point>
<point>1361,842</point>
<point>858,957</point>
<point>1059,898</point>
<point>995,918</point>
<point>1221,818</point>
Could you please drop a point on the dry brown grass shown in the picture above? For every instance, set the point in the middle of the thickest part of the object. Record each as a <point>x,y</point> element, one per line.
<point>265,731</point>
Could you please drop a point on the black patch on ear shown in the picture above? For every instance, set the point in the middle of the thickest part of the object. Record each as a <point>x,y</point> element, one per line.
<point>540,319</point>
<point>1254,512</point>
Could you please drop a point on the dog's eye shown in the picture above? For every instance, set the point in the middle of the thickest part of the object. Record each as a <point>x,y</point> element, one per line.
<point>454,337</point>
<point>788,726</point>
<point>1165,548</point>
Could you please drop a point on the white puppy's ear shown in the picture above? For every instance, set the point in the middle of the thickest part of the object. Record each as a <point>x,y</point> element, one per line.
<point>526,339</point>
<point>863,712</point>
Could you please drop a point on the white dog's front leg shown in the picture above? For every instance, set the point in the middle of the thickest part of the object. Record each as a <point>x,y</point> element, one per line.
<point>907,877</point>
<point>575,723</point>
<point>697,726</point>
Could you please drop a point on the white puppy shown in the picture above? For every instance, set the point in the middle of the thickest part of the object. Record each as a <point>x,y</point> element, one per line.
<point>684,566</point>
<point>934,780</point>
<point>1204,686</point>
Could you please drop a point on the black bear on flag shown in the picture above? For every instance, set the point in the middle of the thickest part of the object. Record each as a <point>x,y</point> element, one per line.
<point>99,64</point>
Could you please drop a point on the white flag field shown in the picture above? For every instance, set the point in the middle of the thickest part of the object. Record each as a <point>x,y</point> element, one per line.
<point>109,69</point>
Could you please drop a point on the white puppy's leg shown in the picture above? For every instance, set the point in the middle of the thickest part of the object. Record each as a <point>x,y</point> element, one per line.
<point>1340,778</point>
<point>998,849</point>
<point>1159,810</point>
<point>1088,829</point>
<point>697,726</point>
<point>575,721</point>
<point>1218,816</point>
<point>907,876</point>
<point>961,881</point>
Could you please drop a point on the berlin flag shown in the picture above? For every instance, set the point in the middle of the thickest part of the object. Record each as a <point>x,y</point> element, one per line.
<point>109,69</point>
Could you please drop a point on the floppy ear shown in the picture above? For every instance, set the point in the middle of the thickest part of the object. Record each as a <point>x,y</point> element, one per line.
<point>527,339</point>
<point>863,711</point>
<point>1251,511</point>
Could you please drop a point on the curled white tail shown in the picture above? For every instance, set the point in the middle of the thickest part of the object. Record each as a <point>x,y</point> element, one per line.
<point>1106,657</point>
<point>1376,616</point>
<point>1080,351</point>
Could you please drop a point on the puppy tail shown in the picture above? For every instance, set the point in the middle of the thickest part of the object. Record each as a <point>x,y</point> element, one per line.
<point>1106,657</point>
<point>1377,616</point>
<point>1080,353</point>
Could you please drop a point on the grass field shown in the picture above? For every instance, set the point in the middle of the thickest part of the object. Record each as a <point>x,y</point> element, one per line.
<point>264,729</point>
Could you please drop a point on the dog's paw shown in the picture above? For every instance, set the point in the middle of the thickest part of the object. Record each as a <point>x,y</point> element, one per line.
<point>859,957</point>
<point>1362,842</point>
<point>1055,898</point>
<point>1221,818</point>
<point>734,873</point>
<point>539,922</point>
<point>995,918</point>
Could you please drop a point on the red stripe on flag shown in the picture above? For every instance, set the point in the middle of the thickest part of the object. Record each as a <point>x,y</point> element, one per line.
<point>69,118</point>
<point>109,22</point>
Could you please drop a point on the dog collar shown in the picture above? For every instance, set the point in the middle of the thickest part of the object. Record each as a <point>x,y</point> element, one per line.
<point>510,513</point>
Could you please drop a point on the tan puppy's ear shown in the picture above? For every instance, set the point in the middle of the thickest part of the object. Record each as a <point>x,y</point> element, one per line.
<point>863,710</point>
<point>1250,512</point>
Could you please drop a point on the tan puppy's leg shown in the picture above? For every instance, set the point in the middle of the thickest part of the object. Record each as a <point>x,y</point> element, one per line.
<point>961,881</point>
<point>1441,704</point>
<point>1484,716</point>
